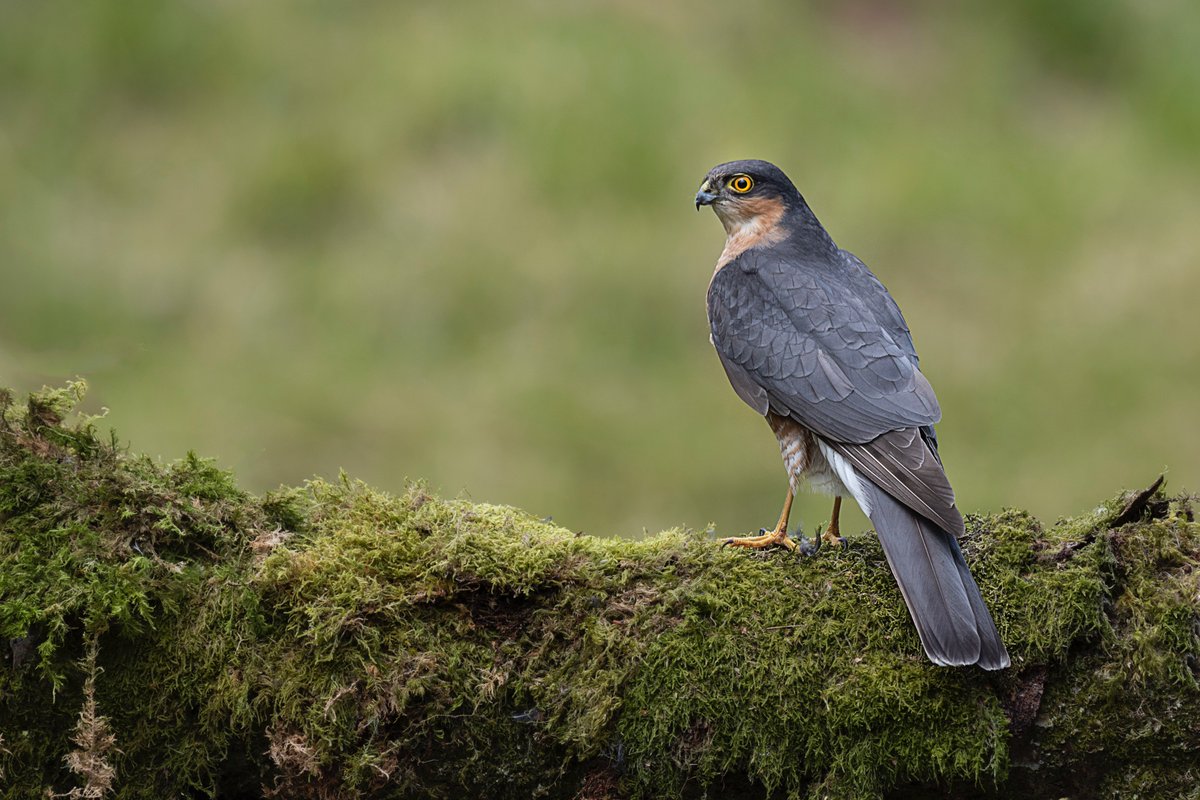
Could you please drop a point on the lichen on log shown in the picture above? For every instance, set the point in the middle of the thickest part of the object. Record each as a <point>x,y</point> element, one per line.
<point>333,641</point>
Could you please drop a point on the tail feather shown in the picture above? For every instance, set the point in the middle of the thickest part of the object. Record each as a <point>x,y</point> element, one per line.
<point>992,653</point>
<point>942,597</point>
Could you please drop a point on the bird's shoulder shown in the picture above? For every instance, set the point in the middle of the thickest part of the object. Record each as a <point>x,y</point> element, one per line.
<point>804,333</point>
<point>879,301</point>
<point>773,275</point>
<point>819,294</point>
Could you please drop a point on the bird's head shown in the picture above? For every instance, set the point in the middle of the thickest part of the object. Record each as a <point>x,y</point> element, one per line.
<point>747,192</point>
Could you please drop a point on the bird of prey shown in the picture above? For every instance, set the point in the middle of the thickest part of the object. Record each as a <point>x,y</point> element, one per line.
<point>812,340</point>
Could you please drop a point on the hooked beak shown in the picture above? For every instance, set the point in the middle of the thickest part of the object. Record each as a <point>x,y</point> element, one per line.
<point>704,197</point>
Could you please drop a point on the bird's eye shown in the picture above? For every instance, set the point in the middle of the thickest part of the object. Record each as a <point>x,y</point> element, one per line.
<point>741,183</point>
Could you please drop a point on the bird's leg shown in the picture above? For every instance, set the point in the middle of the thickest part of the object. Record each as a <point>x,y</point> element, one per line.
<point>832,534</point>
<point>778,536</point>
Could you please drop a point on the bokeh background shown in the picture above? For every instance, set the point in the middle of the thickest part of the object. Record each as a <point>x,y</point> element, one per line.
<point>456,242</point>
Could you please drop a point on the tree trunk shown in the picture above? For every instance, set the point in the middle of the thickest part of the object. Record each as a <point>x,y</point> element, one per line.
<point>172,636</point>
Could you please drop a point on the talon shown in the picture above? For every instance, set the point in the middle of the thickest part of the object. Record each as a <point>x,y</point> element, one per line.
<point>832,536</point>
<point>777,536</point>
<point>762,541</point>
<point>833,540</point>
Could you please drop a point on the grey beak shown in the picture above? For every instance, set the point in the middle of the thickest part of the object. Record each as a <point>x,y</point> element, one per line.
<point>704,198</point>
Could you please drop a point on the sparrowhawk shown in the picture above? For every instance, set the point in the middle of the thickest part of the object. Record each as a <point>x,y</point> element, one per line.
<point>812,340</point>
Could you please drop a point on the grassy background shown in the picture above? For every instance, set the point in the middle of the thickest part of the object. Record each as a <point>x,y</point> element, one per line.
<point>456,241</point>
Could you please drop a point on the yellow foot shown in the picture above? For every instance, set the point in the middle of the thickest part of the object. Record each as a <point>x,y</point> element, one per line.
<point>776,537</point>
<point>833,537</point>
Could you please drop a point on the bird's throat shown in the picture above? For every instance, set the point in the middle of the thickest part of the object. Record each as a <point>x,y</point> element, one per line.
<point>750,224</point>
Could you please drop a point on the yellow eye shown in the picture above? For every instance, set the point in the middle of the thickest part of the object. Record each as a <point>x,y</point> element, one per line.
<point>741,183</point>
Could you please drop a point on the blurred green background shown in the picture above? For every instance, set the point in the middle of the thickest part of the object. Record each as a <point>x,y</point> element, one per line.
<point>456,241</point>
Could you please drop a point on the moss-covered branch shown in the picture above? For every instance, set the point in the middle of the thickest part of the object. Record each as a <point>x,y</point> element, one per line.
<point>336,642</point>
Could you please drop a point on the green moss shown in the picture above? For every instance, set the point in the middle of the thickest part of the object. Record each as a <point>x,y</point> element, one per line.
<point>336,641</point>
<point>1143,677</point>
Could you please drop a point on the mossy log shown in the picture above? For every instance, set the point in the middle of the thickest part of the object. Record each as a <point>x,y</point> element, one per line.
<point>169,635</point>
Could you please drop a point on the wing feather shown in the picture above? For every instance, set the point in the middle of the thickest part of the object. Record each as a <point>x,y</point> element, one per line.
<point>826,345</point>
<point>823,355</point>
<point>903,465</point>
